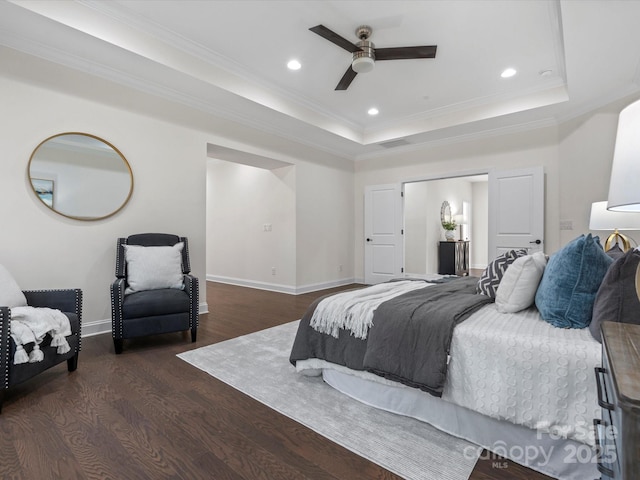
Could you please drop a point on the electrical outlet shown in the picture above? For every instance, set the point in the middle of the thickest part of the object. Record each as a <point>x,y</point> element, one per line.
<point>339,268</point>
<point>273,270</point>
<point>566,224</point>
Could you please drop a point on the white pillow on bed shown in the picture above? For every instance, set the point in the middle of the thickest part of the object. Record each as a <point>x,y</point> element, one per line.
<point>517,290</point>
<point>153,268</point>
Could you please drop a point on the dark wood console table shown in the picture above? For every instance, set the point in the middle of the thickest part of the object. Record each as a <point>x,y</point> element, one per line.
<point>453,258</point>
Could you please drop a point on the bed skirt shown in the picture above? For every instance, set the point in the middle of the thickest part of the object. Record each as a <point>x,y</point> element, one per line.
<point>559,458</point>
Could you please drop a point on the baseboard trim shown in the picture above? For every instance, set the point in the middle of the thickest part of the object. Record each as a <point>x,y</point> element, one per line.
<point>323,286</point>
<point>274,287</point>
<point>99,327</point>
<point>96,327</point>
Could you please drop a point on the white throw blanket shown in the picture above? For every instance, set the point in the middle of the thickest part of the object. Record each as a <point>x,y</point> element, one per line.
<point>354,310</point>
<point>31,324</point>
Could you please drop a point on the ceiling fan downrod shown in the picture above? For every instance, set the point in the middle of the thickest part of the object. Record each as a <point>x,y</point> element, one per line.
<point>364,60</point>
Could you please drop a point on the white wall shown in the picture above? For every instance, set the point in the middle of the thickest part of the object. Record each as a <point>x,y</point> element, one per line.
<point>310,209</point>
<point>241,200</point>
<point>586,151</point>
<point>415,228</point>
<point>479,246</point>
<point>45,250</point>
<point>324,225</point>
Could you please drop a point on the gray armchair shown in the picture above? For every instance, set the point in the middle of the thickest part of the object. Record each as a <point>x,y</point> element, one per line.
<point>159,310</point>
<point>70,303</point>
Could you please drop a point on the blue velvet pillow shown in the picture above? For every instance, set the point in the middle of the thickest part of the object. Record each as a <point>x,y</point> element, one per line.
<point>570,282</point>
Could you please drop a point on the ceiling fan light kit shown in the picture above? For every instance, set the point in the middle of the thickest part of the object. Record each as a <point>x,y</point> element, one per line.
<point>362,64</point>
<point>364,53</point>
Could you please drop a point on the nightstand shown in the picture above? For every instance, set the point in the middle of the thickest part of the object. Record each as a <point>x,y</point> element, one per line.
<point>618,433</point>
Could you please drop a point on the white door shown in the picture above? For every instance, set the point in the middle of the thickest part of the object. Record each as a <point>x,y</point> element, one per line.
<point>383,256</point>
<point>516,210</point>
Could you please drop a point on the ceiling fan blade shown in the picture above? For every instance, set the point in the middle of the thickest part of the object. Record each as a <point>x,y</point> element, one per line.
<point>346,79</point>
<point>335,38</point>
<point>405,53</point>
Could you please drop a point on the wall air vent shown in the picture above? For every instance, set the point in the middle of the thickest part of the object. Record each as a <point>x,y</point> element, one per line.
<point>394,143</point>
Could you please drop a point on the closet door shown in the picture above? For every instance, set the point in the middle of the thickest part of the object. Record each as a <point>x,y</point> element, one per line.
<point>516,210</point>
<point>383,246</point>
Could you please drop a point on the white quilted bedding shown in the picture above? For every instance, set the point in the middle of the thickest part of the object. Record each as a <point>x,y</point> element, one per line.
<point>519,368</point>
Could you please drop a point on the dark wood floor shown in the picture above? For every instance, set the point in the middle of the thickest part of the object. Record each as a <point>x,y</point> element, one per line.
<point>145,414</point>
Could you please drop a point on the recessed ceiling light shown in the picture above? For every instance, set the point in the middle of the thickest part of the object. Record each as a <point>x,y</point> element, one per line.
<point>373,111</point>
<point>294,65</point>
<point>509,72</point>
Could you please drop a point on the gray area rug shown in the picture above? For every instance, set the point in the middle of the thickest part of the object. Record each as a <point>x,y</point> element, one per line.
<point>258,365</point>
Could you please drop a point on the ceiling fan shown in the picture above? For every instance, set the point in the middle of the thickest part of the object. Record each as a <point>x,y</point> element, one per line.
<point>365,53</point>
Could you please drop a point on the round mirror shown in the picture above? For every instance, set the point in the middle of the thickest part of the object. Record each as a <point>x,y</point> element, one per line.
<point>80,176</point>
<point>445,212</point>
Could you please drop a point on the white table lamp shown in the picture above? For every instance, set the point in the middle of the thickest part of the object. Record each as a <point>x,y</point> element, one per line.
<point>603,219</point>
<point>460,221</point>
<point>624,193</point>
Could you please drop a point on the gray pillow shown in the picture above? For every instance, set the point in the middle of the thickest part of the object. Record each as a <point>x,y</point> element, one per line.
<point>615,252</point>
<point>10,293</point>
<point>617,300</point>
<point>153,268</point>
<point>492,275</point>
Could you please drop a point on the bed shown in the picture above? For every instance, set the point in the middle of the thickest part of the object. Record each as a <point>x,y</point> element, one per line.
<point>508,382</point>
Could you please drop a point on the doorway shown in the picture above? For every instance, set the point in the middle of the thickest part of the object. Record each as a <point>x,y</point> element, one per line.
<point>468,198</point>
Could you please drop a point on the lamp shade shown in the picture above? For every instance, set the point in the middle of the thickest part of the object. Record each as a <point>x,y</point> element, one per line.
<point>603,219</point>
<point>459,219</point>
<point>624,194</point>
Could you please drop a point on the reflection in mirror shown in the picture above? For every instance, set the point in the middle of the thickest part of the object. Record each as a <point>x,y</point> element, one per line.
<point>423,202</point>
<point>80,176</point>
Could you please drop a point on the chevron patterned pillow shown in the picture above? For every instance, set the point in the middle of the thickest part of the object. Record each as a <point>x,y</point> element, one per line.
<point>490,279</point>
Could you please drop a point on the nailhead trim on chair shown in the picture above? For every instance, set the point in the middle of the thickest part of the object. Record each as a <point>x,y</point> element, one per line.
<point>120,272</point>
<point>195,304</point>
<point>5,348</point>
<point>116,292</point>
<point>186,268</point>
<point>79,313</point>
<point>116,309</point>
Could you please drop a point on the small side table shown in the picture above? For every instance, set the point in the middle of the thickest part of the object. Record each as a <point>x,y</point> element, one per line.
<point>453,258</point>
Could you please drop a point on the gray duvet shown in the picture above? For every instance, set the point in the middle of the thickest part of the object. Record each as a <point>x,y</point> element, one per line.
<point>409,340</point>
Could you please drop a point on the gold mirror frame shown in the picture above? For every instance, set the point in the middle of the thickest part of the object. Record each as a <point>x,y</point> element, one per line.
<point>87,153</point>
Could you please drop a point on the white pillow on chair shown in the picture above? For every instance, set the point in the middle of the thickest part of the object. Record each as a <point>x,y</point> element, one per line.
<point>10,293</point>
<point>153,268</point>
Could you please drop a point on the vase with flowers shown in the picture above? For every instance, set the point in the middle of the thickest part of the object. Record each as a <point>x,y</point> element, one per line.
<point>449,227</point>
